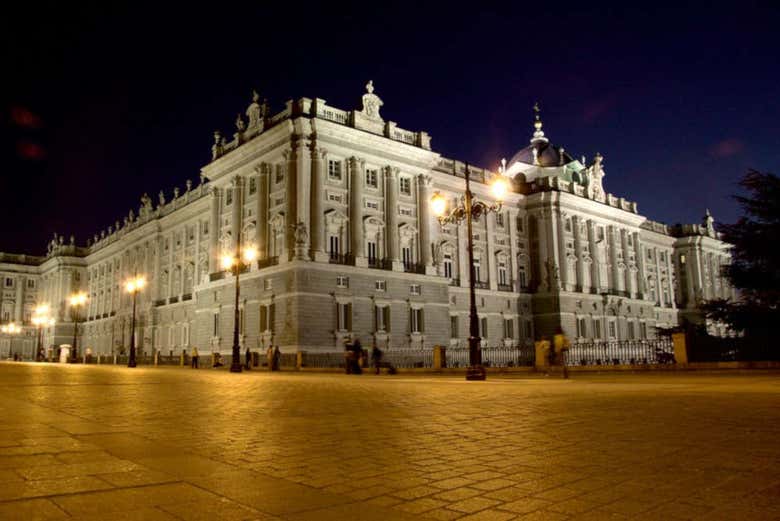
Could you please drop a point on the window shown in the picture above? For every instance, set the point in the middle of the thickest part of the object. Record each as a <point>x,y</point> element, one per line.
<point>31,283</point>
<point>630,330</point>
<point>403,210</point>
<point>205,227</point>
<point>343,316</point>
<point>374,205</point>
<point>500,220</point>
<point>9,282</point>
<point>380,285</point>
<point>612,329</point>
<point>521,275</point>
<point>335,198</point>
<point>483,327</point>
<point>568,224</point>
<point>682,259</point>
<point>582,328</point>
<point>601,233</point>
<point>405,185</point>
<point>215,331</point>
<point>279,174</point>
<point>519,225</point>
<point>453,326</point>
<point>252,185</point>
<point>334,246</point>
<point>596,328</point>
<point>382,318</point>
<point>241,321</point>
<point>477,274</point>
<point>416,322</point>
<point>663,256</point>
<point>448,266</point>
<point>267,317</point>
<point>502,273</point>
<point>415,289</point>
<point>228,197</point>
<point>6,316</point>
<point>267,284</point>
<point>334,169</point>
<point>406,255</point>
<point>372,249</point>
<point>371,178</point>
<point>643,330</point>
<point>509,328</point>
<point>342,281</point>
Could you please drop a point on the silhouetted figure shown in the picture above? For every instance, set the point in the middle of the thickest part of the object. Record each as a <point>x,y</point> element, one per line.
<point>376,359</point>
<point>248,363</point>
<point>277,356</point>
<point>195,357</point>
<point>561,346</point>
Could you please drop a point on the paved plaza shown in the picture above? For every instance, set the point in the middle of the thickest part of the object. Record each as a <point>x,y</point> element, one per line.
<point>101,442</point>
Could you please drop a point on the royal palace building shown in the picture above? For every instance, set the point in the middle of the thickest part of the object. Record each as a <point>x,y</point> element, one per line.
<point>336,205</point>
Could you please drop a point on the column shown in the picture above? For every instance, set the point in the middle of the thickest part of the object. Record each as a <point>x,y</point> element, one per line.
<point>238,207</point>
<point>615,274</point>
<point>669,282</point>
<point>513,265</point>
<point>391,216</point>
<point>18,305</point>
<point>640,264</point>
<point>214,226</point>
<point>261,209</point>
<point>544,271</point>
<point>490,219</point>
<point>580,268</point>
<point>463,255</point>
<point>317,232</point>
<point>424,183</point>
<point>563,261</point>
<point>291,184</point>
<point>629,286</point>
<point>595,271</point>
<point>356,176</point>
<point>659,294</point>
<point>158,268</point>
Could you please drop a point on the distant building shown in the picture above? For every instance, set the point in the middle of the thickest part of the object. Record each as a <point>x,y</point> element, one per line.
<point>337,205</point>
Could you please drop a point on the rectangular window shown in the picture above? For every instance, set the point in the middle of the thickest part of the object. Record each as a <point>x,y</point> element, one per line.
<point>267,284</point>
<point>406,255</point>
<point>500,220</point>
<point>509,328</point>
<point>215,332</point>
<point>252,185</point>
<point>502,273</point>
<point>448,266</point>
<point>343,316</point>
<point>30,284</point>
<point>643,330</point>
<point>416,323</point>
<point>596,328</point>
<point>382,318</point>
<point>453,326</point>
<point>529,329</point>
<point>334,169</point>
<point>205,228</point>
<point>519,224</point>
<point>415,289</point>
<point>372,252</point>
<point>228,197</point>
<point>582,328</point>
<point>380,285</point>
<point>371,178</point>
<point>601,233</point>
<point>279,174</point>
<point>568,224</point>
<point>649,254</point>
<point>405,185</point>
<point>334,198</point>
<point>522,278</point>
<point>405,211</point>
<point>9,282</point>
<point>342,281</point>
<point>267,316</point>
<point>374,205</point>
<point>630,330</point>
<point>477,274</point>
<point>612,329</point>
<point>334,246</point>
<point>483,327</point>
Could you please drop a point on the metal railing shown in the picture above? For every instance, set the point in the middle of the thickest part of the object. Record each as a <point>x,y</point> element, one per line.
<point>342,258</point>
<point>497,356</point>
<point>268,262</point>
<point>622,352</point>
<point>380,264</point>
<point>411,267</point>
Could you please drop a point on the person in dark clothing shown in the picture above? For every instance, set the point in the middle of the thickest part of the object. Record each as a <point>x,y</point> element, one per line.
<point>376,359</point>
<point>276,359</point>
<point>248,359</point>
<point>357,352</point>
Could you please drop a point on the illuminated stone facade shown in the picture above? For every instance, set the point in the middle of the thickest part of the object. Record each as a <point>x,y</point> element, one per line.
<point>337,205</point>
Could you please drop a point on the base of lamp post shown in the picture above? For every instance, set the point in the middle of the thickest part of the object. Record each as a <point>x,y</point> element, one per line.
<point>476,372</point>
<point>235,368</point>
<point>235,363</point>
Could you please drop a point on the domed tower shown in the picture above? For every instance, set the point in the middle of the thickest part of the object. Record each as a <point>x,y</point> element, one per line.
<point>544,159</point>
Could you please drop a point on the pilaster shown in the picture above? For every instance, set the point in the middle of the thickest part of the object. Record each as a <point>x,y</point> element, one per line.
<point>214,227</point>
<point>356,176</point>
<point>261,209</point>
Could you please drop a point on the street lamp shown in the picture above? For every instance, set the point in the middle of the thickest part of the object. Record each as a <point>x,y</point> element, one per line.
<point>133,286</point>
<point>235,262</point>
<point>468,209</point>
<point>10,329</point>
<point>77,300</point>
<point>40,319</point>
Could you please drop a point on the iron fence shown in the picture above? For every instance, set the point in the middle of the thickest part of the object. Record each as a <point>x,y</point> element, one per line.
<point>622,352</point>
<point>495,356</point>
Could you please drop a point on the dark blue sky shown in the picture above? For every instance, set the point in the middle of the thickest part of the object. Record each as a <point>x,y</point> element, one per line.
<point>105,103</point>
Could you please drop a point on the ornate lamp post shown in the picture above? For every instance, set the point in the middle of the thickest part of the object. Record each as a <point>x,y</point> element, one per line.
<point>77,300</point>
<point>41,319</point>
<point>10,329</point>
<point>468,209</point>
<point>235,262</point>
<point>133,286</point>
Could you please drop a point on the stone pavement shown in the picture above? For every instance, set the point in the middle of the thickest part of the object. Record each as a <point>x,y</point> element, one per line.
<point>101,442</point>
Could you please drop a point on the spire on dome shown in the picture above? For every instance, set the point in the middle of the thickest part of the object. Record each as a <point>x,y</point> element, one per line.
<point>538,133</point>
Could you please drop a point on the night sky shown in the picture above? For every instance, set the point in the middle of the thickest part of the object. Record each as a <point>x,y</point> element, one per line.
<point>104,103</point>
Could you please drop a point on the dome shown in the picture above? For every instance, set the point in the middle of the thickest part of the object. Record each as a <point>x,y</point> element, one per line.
<point>542,153</point>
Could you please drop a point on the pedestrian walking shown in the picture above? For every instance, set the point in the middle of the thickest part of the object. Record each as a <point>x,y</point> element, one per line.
<point>277,356</point>
<point>561,345</point>
<point>376,358</point>
<point>357,354</point>
<point>248,359</point>
<point>195,357</point>
<point>269,357</point>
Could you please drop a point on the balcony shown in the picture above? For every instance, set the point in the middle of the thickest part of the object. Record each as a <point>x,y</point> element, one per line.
<point>505,287</point>
<point>186,296</point>
<point>160,302</point>
<point>411,267</point>
<point>342,258</point>
<point>173,300</point>
<point>479,284</point>
<point>216,276</point>
<point>267,263</point>
<point>380,264</point>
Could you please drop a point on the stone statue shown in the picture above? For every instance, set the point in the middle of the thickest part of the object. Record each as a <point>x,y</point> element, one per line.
<point>595,177</point>
<point>131,215</point>
<point>300,233</point>
<point>161,198</point>
<point>72,240</point>
<point>219,145</point>
<point>188,184</point>
<point>240,125</point>
<point>175,192</point>
<point>202,179</point>
<point>371,102</point>
<point>254,112</point>
<point>709,223</point>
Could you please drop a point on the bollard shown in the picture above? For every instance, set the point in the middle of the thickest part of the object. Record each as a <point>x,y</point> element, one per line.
<point>439,357</point>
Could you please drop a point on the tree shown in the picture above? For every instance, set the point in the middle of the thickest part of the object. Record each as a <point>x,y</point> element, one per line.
<point>755,260</point>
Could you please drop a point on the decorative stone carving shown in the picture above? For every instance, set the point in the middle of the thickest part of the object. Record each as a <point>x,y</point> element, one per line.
<point>254,112</point>
<point>161,198</point>
<point>371,103</point>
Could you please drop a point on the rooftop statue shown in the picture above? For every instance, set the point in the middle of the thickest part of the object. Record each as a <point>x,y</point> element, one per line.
<point>371,102</point>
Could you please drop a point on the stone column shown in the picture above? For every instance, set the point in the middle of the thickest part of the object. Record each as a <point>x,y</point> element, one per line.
<point>238,207</point>
<point>490,222</point>
<point>669,282</point>
<point>615,273</point>
<point>595,265</point>
<point>544,271</point>
<point>629,285</point>
<point>659,293</point>
<point>513,267</point>
<point>424,183</point>
<point>357,247</point>
<point>291,184</point>
<point>640,264</point>
<point>391,216</point>
<point>18,305</point>
<point>261,209</point>
<point>463,257</point>
<point>580,265</point>
<point>563,261</point>
<point>317,231</point>
<point>214,229</point>
<point>158,268</point>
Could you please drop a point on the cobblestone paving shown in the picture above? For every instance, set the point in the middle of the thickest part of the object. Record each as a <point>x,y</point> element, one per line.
<point>95,443</point>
